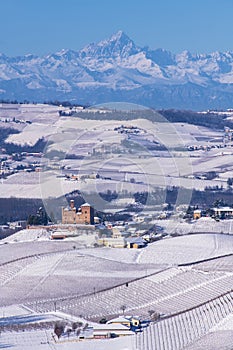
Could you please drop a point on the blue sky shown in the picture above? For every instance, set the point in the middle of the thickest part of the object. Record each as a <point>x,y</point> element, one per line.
<point>45,26</point>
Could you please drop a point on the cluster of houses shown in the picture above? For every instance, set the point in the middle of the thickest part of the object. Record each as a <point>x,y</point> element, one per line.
<point>118,327</point>
<point>204,147</point>
<point>121,239</point>
<point>78,177</point>
<point>217,213</point>
<point>123,129</point>
<point>118,236</point>
<point>19,162</point>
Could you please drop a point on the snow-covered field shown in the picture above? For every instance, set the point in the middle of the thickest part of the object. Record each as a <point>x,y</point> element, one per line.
<point>61,272</point>
<point>88,137</point>
<point>36,273</point>
<point>42,340</point>
<point>95,269</point>
<point>186,249</point>
<point>219,336</point>
<point>203,225</point>
<point>166,293</point>
<point>27,235</point>
<point>191,330</point>
<point>62,276</point>
<point>31,134</point>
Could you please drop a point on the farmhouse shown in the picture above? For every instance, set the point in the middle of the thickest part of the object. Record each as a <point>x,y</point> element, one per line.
<point>84,215</point>
<point>136,242</point>
<point>223,212</point>
<point>197,214</point>
<point>111,330</point>
<point>104,331</point>
<point>113,242</point>
<point>128,321</point>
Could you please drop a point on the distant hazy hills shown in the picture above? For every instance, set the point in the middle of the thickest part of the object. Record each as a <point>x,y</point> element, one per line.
<point>117,69</point>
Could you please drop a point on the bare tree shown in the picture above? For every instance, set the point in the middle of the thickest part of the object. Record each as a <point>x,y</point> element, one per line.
<point>76,325</point>
<point>123,308</point>
<point>59,329</point>
<point>69,330</point>
<point>103,320</point>
<point>154,316</point>
<point>151,312</point>
<point>85,326</point>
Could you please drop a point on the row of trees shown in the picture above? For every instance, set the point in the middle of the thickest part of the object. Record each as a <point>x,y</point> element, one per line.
<point>61,327</point>
<point>210,120</point>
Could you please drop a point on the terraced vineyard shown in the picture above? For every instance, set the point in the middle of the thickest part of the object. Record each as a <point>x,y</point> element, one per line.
<point>168,292</point>
<point>180,330</point>
<point>191,296</point>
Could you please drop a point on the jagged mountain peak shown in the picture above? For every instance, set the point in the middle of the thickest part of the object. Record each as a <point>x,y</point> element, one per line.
<point>184,56</point>
<point>115,68</point>
<point>118,45</point>
<point>160,56</point>
<point>64,54</point>
<point>119,36</point>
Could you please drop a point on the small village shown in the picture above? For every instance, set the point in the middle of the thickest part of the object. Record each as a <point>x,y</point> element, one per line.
<point>140,230</point>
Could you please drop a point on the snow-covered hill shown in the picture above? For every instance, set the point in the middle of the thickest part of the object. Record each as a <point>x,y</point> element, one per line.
<point>116,69</point>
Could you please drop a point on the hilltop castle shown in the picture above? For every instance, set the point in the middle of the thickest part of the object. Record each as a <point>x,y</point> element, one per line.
<point>84,215</point>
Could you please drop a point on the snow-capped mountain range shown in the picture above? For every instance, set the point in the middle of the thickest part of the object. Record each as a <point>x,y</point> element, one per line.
<point>117,69</point>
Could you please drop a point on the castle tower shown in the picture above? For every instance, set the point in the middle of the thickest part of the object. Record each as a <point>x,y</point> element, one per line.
<point>84,215</point>
<point>87,214</point>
